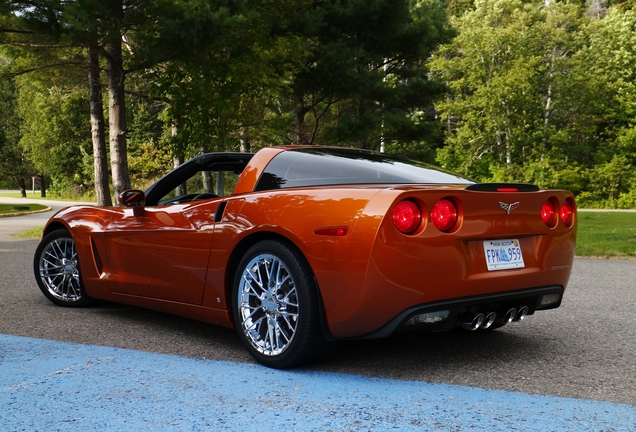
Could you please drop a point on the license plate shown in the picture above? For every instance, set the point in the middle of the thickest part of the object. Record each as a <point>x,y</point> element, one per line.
<point>503,254</point>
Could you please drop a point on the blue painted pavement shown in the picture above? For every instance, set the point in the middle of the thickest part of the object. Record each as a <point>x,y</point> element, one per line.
<point>54,386</point>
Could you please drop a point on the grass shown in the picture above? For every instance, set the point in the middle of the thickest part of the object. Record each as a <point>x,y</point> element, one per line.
<point>17,195</point>
<point>34,233</point>
<point>606,234</point>
<point>38,197</point>
<point>23,208</point>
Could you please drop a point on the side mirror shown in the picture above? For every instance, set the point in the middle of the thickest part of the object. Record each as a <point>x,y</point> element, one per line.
<point>135,199</point>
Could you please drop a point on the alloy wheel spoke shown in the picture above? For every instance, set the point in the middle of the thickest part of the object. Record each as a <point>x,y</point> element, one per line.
<point>288,315</point>
<point>281,329</point>
<point>254,324</point>
<point>251,315</point>
<point>51,274</point>
<point>287,302</point>
<point>57,248</point>
<point>272,274</point>
<point>271,332</point>
<point>53,265</point>
<point>251,291</point>
<point>251,278</point>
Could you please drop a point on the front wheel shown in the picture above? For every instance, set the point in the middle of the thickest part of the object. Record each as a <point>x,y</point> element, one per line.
<point>57,270</point>
<point>276,306</point>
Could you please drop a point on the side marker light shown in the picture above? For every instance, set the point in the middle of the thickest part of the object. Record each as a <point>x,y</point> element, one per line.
<point>337,231</point>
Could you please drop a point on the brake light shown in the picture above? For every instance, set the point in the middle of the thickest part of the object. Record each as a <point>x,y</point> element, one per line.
<point>407,217</point>
<point>548,213</point>
<point>507,189</point>
<point>444,215</point>
<point>567,213</point>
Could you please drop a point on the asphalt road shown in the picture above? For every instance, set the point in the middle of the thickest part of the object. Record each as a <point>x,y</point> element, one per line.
<point>586,349</point>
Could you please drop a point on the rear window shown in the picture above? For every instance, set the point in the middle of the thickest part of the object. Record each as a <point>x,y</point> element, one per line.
<point>328,166</point>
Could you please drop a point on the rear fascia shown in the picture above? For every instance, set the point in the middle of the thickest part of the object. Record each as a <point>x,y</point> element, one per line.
<point>457,307</point>
<point>407,271</point>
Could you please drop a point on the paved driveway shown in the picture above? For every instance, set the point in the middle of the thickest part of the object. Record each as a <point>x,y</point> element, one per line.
<point>115,367</point>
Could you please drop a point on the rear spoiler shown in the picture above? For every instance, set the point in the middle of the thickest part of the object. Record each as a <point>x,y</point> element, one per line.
<point>503,187</point>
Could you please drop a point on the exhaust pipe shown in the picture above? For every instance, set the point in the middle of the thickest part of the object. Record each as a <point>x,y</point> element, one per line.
<point>522,313</point>
<point>472,321</point>
<point>508,317</point>
<point>489,320</point>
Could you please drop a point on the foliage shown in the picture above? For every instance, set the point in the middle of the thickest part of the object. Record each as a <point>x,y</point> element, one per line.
<point>56,135</point>
<point>541,94</point>
<point>365,77</point>
<point>14,165</point>
<point>498,90</point>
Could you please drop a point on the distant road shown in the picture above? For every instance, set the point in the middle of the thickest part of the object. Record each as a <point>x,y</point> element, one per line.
<point>18,224</point>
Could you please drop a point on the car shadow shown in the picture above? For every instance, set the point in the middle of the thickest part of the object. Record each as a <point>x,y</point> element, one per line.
<point>436,356</point>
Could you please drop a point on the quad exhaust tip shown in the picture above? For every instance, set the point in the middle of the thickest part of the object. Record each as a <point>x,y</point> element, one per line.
<point>472,321</point>
<point>489,320</point>
<point>478,320</point>
<point>507,317</point>
<point>522,313</point>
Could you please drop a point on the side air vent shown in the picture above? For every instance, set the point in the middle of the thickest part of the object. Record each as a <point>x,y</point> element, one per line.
<point>218,215</point>
<point>503,187</point>
<point>98,261</point>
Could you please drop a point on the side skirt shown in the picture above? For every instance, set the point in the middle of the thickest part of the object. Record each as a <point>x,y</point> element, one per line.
<point>218,317</point>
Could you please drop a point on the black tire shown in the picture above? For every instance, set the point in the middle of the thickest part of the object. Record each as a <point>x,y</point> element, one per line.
<point>276,306</point>
<point>57,270</point>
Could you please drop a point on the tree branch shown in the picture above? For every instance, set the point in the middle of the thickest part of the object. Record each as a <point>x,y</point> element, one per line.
<point>26,71</point>
<point>3,30</point>
<point>148,97</point>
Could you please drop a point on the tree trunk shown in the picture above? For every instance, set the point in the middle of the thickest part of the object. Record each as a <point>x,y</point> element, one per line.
<point>300,111</point>
<point>21,184</point>
<point>244,139</point>
<point>42,187</point>
<point>220,183</point>
<point>360,111</point>
<point>177,160</point>
<point>208,183</point>
<point>100,162</point>
<point>117,119</point>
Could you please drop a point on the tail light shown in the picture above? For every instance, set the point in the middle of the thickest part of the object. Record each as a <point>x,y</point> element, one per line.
<point>549,213</point>
<point>444,215</point>
<point>567,213</point>
<point>407,217</point>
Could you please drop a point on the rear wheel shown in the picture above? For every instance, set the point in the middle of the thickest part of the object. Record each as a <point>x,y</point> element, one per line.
<point>57,270</point>
<point>276,309</point>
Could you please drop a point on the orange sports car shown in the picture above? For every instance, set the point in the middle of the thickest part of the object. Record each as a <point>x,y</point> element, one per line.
<point>297,247</point>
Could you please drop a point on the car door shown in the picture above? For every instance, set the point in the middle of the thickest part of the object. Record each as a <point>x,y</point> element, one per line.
<point>162,253</point>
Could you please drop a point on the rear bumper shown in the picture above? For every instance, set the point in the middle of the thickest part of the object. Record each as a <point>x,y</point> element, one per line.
<point>433,317</point>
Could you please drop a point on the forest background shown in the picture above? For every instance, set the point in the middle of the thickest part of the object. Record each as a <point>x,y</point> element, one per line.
<point>98,96</point>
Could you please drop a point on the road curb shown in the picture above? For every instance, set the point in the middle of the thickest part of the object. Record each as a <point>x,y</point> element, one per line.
<point>6,215</point>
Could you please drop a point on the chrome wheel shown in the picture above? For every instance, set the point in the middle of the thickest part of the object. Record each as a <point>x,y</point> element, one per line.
<point>276,306</point>
<point>268,305</point>
<point>57,270</point>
